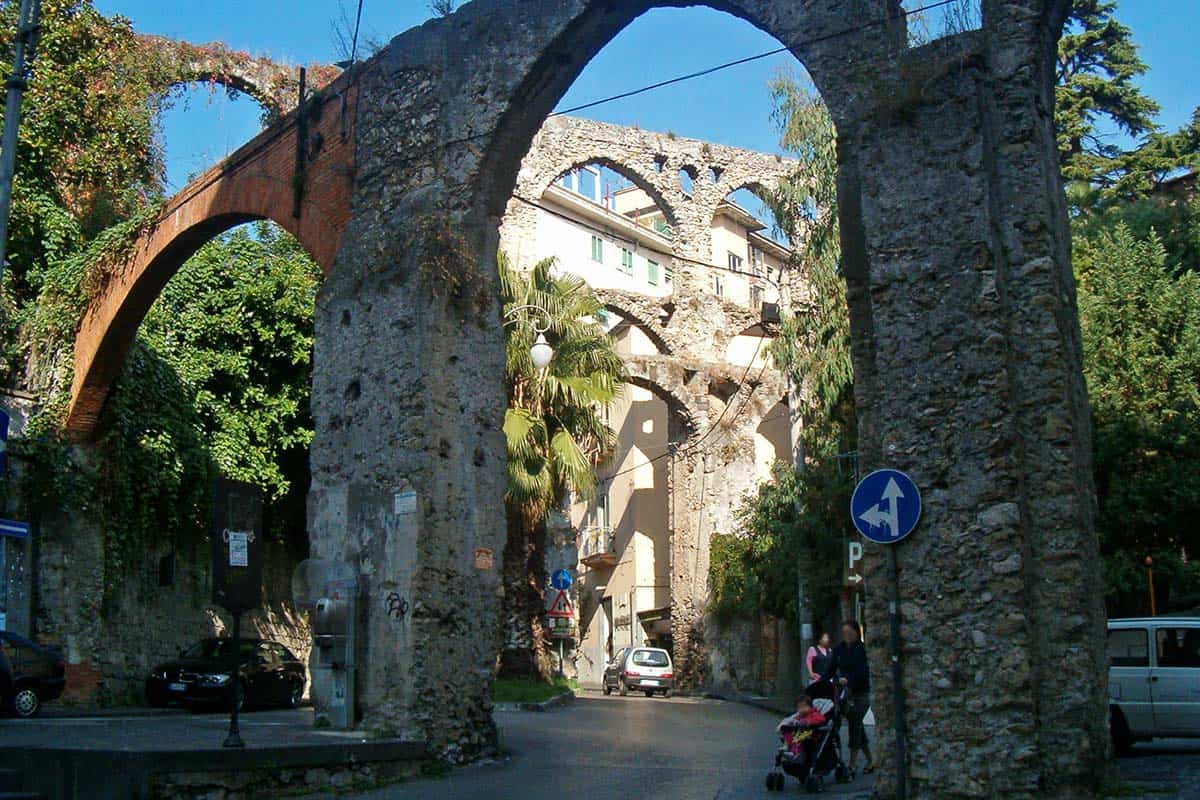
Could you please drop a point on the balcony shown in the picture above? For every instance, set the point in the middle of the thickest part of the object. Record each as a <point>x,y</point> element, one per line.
<point>598,548</point>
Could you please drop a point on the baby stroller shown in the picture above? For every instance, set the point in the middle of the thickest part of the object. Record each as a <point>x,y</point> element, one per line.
<point>822,753</point>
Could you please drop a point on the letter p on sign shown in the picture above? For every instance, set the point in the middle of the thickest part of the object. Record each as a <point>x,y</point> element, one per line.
<point>854,554</point>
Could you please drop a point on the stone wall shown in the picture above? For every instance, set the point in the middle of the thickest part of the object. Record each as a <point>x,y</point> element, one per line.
<point>965,339</point>
<point>111,643</point>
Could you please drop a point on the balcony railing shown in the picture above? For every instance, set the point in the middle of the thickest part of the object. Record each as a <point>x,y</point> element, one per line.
<point>598,547</point>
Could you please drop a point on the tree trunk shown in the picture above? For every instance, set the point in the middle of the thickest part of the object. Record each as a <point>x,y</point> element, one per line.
<point>524,653</point>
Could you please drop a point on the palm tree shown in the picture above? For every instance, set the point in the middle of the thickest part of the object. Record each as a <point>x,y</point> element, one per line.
<point>555,436</point>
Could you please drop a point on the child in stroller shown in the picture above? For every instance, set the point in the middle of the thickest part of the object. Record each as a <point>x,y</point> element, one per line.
<point>809,745</point>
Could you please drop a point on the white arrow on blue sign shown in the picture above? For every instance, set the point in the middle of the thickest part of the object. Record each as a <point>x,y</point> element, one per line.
<point>8,527</point>
<point>561,580</point>
<point>885,506</point>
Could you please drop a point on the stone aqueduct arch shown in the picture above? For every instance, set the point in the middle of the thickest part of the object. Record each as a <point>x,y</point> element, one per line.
<point>965,345</point>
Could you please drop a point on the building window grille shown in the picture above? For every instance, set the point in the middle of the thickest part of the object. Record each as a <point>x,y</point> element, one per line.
<point>597,250</point>
<point>756,260</point>
<point>668,274</point>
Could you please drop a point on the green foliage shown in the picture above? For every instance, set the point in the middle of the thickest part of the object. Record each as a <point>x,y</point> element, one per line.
<point>530,690</point>
<point>236,326</point>
<point>88,151</point>
<point>793,523</point>
<point>814,343</point>
<point>553,427</point>
<point>1098,64</point>
<point>1141,337</point>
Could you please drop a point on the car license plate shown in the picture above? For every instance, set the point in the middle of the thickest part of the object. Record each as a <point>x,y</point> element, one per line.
<point>177,687</point>
<point>650,683</point>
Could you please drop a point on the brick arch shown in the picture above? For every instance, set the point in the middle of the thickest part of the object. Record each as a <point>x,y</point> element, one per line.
<point>259,181</point>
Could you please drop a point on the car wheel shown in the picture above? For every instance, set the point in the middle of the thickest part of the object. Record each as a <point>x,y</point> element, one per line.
<point>649,693</point>
<point>1122,738</point>
<point>622,689</point>
<point>25,702</point>
<point>295,696</point>
<point>606,688</point>
<point>667,693</point>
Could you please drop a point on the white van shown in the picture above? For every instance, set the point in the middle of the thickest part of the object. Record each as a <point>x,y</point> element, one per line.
<point>1153,678</point>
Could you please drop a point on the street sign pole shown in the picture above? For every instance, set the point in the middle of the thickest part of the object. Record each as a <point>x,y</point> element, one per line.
<point>897,675</point>
<point>885,508</point>
<point>27,27</point>
<point>234,739</point>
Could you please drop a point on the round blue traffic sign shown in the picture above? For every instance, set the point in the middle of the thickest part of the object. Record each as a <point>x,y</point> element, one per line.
<point>885,506</point>
<point>561,580</point>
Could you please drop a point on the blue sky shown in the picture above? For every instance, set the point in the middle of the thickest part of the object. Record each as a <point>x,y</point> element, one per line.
<point>731,107</point>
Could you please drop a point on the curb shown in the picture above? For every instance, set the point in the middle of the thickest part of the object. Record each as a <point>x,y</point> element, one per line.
<point>557,701</point>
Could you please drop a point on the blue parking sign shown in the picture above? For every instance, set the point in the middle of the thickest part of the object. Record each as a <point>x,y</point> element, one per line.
<point>885,506</point>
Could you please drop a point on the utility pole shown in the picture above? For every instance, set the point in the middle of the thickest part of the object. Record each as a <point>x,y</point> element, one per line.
<point>27,27</point>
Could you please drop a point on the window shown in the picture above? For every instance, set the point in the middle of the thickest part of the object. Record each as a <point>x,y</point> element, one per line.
<point>602,511</point>
<point>626,261</point>
<point>652,272</point>
<point>568,181</point>
<point>718,286</point>
<point>650,658</point>
<point>1178,647</point>
<point>1128,648</point>
<point>756,260</point>
<point>597,250</point>
<point>735,262</point>
<point>756,296</point>
<point>669,274</point>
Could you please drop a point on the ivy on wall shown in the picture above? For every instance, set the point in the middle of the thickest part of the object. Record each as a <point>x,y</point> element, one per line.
<point>218,378</point>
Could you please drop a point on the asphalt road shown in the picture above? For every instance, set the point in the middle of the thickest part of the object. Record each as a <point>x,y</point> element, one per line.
<point>614,748</point>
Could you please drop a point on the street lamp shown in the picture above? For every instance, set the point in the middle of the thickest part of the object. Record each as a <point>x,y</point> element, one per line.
<point>541,352</point>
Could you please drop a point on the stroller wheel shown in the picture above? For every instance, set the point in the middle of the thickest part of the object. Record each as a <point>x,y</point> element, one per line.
<point>775,781</point>
<point>813,784</point>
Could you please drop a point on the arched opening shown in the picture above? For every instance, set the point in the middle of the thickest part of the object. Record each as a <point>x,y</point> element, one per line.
<point>192,377</point>
<point>698,188</point>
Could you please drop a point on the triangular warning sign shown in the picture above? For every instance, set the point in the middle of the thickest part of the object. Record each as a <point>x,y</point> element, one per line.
<point>561,607</point>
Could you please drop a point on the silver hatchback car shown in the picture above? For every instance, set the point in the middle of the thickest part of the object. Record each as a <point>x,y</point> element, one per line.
<point>644,669</point>
<point>1153,679</point>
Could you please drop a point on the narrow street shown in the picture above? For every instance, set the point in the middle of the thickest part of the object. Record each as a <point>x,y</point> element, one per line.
<point>614,748</point>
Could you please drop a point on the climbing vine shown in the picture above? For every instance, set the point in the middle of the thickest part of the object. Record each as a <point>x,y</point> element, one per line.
<point>217,379</point>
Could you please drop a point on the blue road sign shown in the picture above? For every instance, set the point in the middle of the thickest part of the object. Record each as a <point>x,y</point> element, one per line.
<point>3,441</point>
<point>8,527</point>
<point>561,580</point>
<point>885,506</point>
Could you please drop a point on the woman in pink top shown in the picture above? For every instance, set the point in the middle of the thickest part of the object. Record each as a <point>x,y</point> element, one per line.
<point>818,658</point>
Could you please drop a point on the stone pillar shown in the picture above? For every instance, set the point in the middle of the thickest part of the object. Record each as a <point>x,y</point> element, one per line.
<point>968,376</point>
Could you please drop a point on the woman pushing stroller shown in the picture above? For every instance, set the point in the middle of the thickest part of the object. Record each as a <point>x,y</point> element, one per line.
<point>849,665</point>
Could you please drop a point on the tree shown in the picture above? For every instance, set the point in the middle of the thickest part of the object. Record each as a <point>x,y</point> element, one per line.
<point>442,8</point>
<point>88,153</point>
<point>554,432</point>
<point>1097,65</point>
<point>1141,338</point>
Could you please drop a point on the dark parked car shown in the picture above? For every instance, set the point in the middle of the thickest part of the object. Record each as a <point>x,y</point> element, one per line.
<point>37,675</point>
<point>270,675</point>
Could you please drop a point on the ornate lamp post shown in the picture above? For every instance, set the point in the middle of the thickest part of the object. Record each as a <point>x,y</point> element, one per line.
<point>541,352</point>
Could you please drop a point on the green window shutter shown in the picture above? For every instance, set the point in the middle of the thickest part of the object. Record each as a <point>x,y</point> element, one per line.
<point>626,261</point>
<point>597,249</point>
<point>652,272</point>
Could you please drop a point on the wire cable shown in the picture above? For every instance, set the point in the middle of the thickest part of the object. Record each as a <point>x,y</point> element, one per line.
<point>354,41</point>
